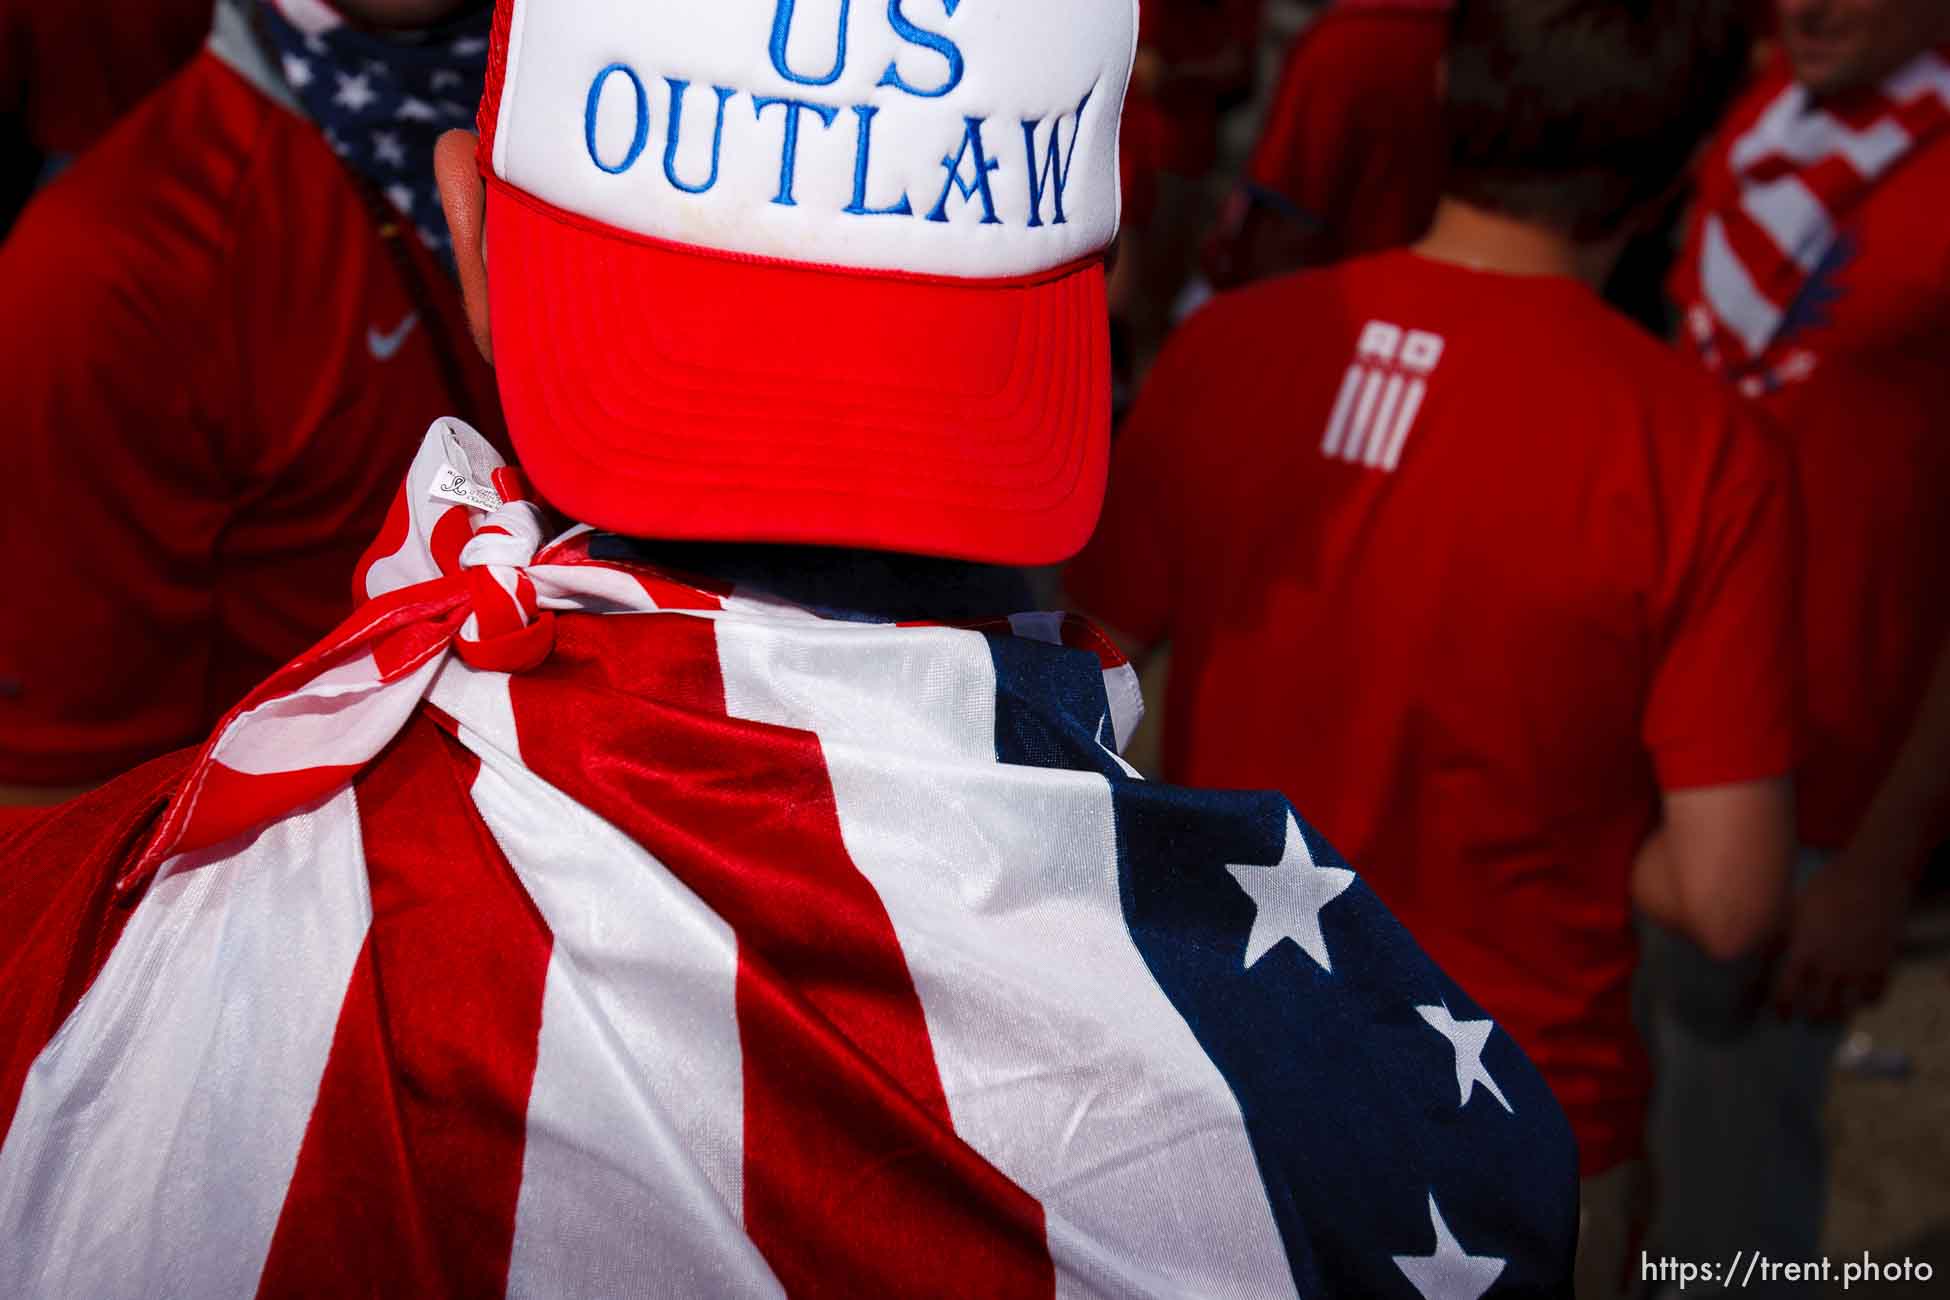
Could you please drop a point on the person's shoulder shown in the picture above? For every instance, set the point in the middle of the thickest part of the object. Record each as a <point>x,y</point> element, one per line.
<point>1360,49</point>
<point>1634,392</point>
<point>152,205</point>
<point>1250,310</point>
<point>86,843</point>
<point>1223,351</point>
<point>1621,355</point>
<point>1298,316</point>
<point>1689,419</point>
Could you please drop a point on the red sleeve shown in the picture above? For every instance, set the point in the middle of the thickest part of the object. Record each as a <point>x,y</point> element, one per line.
<point>1282,159</point>
<point>14,821</point>
<point>1129,574</point>
<point>1353,138</point>
<point>1724,703</point>
<point>114,499</point>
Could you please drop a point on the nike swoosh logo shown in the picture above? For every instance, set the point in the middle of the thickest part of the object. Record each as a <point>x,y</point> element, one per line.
<point>386,346</point>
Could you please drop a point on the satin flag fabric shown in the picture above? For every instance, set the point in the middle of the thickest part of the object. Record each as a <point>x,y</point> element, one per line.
<point>1771,234</point>
<point>564,927</point>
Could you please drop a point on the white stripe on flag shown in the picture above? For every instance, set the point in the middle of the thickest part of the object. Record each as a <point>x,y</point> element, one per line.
<point>1042,625</point>
<point>1126,694</point>
<point>592,588</point>
<point>1363,418</point>
<point>479,701</point>
<point>413,562</point>
<point>1122,689</point>
<point>1770,130</point>
<point>157,1134</point>
<point>1337,425</point>
<point>632,1180</point>
<point>313,17</point>
<point>1064,1063</point>
<point>1792,129</point>
<point>340,718</point>
<point>1927,74</point>
<point>1731,292</point>
<point>1411,407</point>
<point>1793,218</point>
<point>1384,421</point>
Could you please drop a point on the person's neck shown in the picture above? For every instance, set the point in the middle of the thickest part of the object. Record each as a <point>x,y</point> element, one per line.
<point>837,581</point>
<point>1483,240</point>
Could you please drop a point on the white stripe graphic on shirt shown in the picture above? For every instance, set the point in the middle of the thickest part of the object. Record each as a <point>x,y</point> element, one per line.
<point>1381,395</point>
<point>1330,446</point>
<point>1391,400</point>
<point>1411,407</point>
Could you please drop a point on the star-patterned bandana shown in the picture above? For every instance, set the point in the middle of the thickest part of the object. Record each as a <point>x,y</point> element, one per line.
<point>382,99</point>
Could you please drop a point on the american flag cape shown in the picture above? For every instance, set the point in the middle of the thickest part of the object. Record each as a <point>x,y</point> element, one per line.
<point>561,927</point>
<point>1773,212</point>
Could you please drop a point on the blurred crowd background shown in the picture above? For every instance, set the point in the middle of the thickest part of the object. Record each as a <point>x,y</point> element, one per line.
<point>229,311</point>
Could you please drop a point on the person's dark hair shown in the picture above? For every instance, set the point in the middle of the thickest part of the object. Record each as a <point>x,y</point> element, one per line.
<point>1581,113</point>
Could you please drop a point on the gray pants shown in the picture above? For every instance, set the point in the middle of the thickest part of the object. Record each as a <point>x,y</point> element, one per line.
<point>1736,1136</point>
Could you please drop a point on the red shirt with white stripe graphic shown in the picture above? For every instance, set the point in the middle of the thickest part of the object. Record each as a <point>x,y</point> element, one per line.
<point>1472,569</point>
<point>210,354</point>
<point>1851,348</point>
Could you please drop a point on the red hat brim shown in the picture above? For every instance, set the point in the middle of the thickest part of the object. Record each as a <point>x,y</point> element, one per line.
<point>663,391</point>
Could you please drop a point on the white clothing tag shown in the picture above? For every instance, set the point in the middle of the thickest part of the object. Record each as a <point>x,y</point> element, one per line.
<point>458,482</point>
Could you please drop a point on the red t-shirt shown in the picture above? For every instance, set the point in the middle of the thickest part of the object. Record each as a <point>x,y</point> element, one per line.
<point>211,381</point>
<point>71,68</point>
<point>1353,137</point>
<point>1470,569</point>
<point>1861,394</point>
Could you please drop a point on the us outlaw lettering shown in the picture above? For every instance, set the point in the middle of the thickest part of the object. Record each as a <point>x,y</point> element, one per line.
<point>968,158</point>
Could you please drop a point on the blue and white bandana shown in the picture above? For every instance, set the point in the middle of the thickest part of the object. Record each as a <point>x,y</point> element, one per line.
<point>382,99</point>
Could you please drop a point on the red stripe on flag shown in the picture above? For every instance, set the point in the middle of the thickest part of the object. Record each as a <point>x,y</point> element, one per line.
<point>390,542</point>
<point>1080,633</point>
<point>228,802</point>
<point>411,1166</point>
<point>856,1183</point>
<point>1834,182</point>
<point>1773,272</point>
<point>1923,117</point>
<point>451,534</point>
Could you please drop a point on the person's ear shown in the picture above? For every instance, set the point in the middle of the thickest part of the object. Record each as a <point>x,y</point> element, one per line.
<point>464,198</point>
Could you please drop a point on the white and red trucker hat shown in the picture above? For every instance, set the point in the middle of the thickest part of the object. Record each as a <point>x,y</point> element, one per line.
<point>813,271</point>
